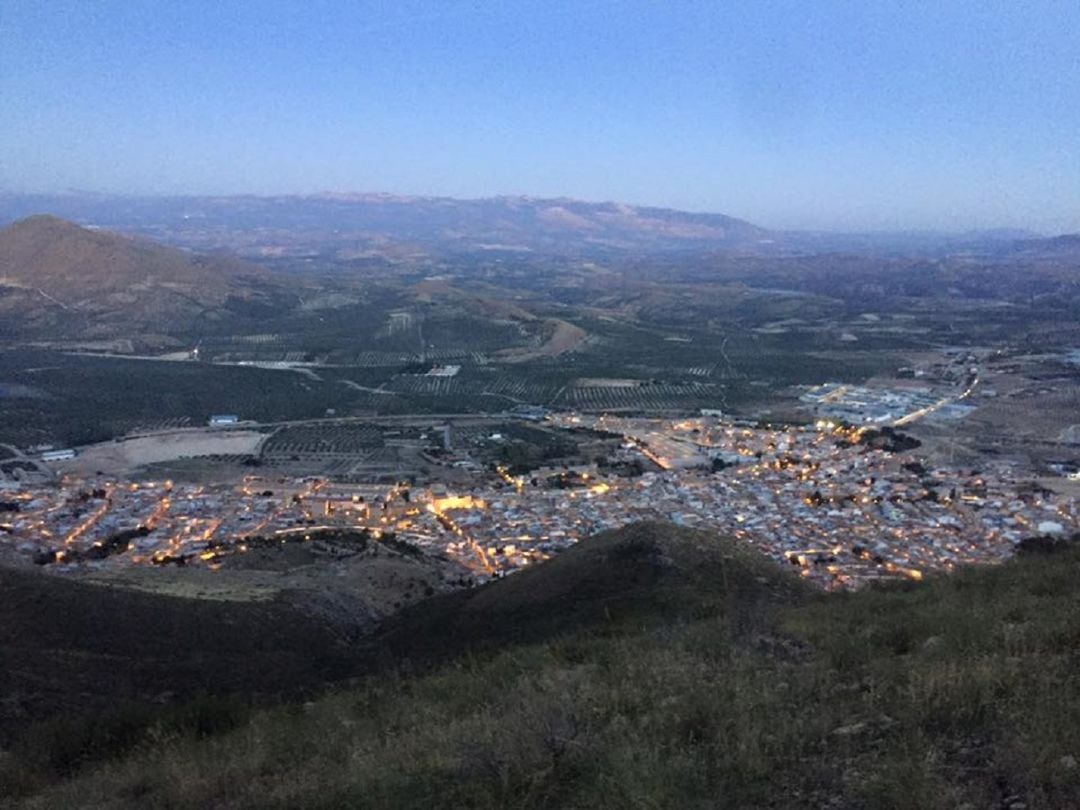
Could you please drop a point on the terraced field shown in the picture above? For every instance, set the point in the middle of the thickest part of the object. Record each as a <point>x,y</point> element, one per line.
<point>329,439</point>
<point>645,396</point>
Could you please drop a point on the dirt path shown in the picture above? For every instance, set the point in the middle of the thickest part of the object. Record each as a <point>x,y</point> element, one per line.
<point>564,338</point>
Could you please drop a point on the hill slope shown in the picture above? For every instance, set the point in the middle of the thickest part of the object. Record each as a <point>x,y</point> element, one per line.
<point>56,277</point>
<point>644,574</point>
<point>1064,247</point>
<point>69,647</point>
<point>721,684</point>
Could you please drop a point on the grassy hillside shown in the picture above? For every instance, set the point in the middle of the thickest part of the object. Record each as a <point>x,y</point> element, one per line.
<point>71,653</point>
<point>659,667</point>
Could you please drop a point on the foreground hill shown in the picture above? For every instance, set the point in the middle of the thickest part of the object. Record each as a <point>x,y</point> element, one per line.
<point>279,620</point>
<point>59,279</point>
<point>661,667</point>
<point>645,574</point>
<point>67,647</point>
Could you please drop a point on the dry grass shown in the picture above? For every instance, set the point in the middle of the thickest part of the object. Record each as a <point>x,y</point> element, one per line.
<point>958,690</point>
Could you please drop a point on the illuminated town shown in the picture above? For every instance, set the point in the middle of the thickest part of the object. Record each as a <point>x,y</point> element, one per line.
<point>840,511</point>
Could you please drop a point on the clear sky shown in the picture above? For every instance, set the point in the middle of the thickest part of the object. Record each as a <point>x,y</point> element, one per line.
<point>871,114</point>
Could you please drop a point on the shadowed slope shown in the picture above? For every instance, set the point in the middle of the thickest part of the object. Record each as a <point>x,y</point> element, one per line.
<point>639,692</point>
<point>68,647</point>
<point>638,575</point>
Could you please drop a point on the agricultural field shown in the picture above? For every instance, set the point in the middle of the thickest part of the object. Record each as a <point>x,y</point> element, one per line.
<point>159,425</point>
<point>333,439</point>
<point>212,469</point>
<point>645,395</point>
<point>350,451</point>
<point>91,399</point>
<point>366,357</point>
<point>1028,410</point>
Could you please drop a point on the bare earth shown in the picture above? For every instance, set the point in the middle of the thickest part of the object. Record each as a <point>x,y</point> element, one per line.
<point>565,338</point>
<point>120,457</point>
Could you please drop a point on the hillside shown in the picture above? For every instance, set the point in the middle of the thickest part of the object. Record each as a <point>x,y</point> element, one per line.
<point>67,647</point>
<point>278,620</point>
<point>645,574</point>
<point>661,667</point>
<point>57,278</point>
<point>1064,247</point>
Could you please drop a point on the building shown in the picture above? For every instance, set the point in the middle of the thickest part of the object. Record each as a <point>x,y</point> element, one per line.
<point>530,413</point>
<point>444,371</point>
<point>223,419</point>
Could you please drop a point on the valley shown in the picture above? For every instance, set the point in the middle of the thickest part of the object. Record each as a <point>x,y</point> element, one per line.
<point>608,405</point>
<point>334,441</point>
<point>455,376</point>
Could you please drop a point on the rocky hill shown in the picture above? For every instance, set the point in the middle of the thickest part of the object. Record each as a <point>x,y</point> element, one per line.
<point>276,621</point>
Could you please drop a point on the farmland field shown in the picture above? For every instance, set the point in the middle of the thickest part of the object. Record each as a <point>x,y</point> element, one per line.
<point>369,357</point>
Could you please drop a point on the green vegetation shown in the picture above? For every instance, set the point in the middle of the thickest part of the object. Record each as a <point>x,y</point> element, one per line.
<point>91,672</point>
<point>658,667</point>
<point>62,745</point>
<point>524,448</point>
<point>88,399</point>
<point>682,365</point>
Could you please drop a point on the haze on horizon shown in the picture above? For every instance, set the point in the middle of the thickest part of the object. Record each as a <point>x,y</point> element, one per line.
<point>833,115</point>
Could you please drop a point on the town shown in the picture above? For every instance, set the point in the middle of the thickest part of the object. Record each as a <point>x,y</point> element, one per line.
<point>842,505</point>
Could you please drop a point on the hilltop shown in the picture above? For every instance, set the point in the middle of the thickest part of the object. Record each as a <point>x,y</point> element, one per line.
<point>657,666</point>
<point>57,278</point>
<point>64,259</point>
<point>72,648</point>
<point>643,574</point>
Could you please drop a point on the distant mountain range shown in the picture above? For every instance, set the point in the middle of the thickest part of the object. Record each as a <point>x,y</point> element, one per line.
<point>366,223</point>
<point>403,229</point>
<point>410,232</point>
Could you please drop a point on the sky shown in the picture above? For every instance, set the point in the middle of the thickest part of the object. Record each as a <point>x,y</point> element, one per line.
<point>817,114</point>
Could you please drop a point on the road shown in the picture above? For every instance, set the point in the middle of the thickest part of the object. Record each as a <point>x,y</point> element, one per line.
<point>915,416</point>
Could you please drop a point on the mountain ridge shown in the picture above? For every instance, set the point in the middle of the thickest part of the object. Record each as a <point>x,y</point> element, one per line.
<point>558,225</point>
<point>344,223</point>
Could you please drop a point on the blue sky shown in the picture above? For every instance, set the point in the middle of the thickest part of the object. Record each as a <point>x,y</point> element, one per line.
<point>813,114</point>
